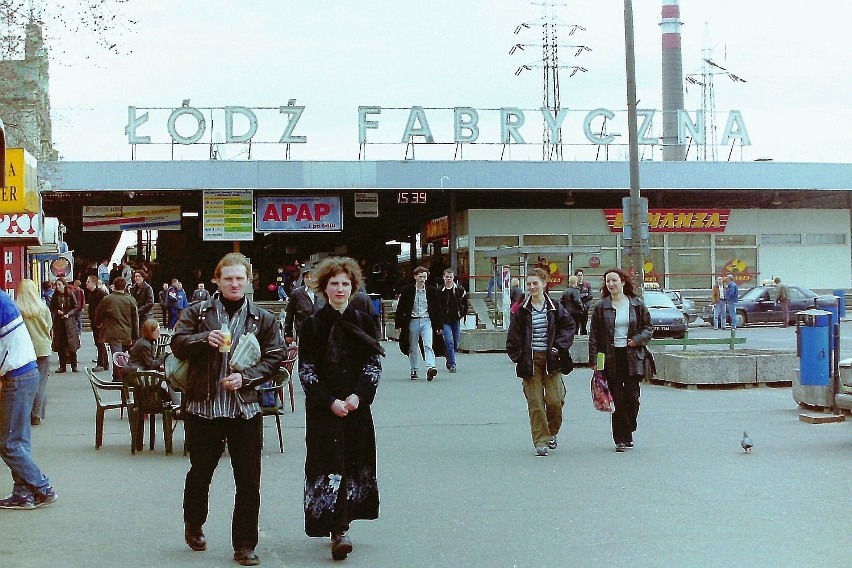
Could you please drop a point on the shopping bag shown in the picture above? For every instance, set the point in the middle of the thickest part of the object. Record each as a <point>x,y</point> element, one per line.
<point>601,397</point>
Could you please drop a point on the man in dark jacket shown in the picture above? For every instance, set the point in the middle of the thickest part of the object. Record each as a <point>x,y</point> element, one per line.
<point>96,294</point>
<point>418,313</point>
<point>118,321</point>
<point>143,294</point>
<point>222,404</point>
<point>303,302</point>
<point>453,300</point>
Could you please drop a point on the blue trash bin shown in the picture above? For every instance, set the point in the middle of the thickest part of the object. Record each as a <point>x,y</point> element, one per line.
<point>830,304</point>
<point>841,294</point>
<point>814,348</point>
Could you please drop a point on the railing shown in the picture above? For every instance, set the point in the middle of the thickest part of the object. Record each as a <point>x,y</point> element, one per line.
<point>686,341</point>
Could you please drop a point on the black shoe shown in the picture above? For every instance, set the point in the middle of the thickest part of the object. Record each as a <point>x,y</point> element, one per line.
<point>413,375</point>
<point>620,447</point>
<point>61,370</point>
<point>194,537</point>
<point>246,557</point>
<point>552,443</point>
<point>341,546</point>
<point>35,420</point>
<point>74,369</point>
<point>431,373</point>
<point>629,444</point>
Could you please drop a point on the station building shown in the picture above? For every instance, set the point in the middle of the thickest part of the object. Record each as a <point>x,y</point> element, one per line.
<point>755,220</point>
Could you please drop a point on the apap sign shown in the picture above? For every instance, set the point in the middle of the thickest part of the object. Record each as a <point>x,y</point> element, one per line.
<point>290,214</point>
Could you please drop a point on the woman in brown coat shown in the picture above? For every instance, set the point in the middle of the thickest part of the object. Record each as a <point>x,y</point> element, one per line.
<point>66,336</point>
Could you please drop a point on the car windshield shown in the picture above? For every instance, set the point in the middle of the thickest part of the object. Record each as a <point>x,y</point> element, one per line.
<point>655,299</point>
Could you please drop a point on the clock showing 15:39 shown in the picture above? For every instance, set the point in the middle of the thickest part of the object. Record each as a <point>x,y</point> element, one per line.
<point>411,197</point>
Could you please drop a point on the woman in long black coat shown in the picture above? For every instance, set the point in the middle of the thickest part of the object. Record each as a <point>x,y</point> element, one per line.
<point>339,368</point>
<point>66,335</point>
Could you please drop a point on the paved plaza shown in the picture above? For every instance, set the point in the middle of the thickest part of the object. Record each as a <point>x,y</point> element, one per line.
<point>460,486</point>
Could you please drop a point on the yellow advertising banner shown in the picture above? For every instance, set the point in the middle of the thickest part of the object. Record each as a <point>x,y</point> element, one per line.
<point>20,194</point>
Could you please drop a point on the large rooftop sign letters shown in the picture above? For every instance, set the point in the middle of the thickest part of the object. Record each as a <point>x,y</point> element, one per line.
<point>459,125</point>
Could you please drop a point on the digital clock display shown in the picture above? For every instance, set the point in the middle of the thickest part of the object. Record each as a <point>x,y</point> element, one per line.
<point>412,197</point>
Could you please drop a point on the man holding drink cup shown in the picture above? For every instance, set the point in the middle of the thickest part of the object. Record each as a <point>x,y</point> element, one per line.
<point>222,404</point>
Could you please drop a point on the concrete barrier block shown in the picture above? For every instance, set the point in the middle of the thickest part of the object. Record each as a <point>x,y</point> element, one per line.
<point>777,367</point>
<point>482,341</point>
<point>706,368</point>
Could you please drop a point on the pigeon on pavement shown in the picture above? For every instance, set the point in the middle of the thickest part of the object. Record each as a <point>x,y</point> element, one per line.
<point>746,443</point>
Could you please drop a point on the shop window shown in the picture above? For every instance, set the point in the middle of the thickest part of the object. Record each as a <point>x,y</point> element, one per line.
<point>739,261</point>
<point>656,240</point>
<point>781,239</point>
<point>545,240</point>
<point>688,268</point>
<point>825,239</point>
<point>494,242</point>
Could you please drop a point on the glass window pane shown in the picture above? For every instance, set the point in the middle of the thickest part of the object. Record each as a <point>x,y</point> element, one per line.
<point>741,262</point>
<point>689,240</point>
<point>656,240</point>
<point>545,240</point>
<point>689,268</point>
<point>827,239</point>
<point>655,267</point>
<point>735,240</point>
<point>784,239</point>
<point>494,242</point>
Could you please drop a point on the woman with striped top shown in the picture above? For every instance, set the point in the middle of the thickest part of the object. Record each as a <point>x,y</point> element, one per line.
<point>541,331</point>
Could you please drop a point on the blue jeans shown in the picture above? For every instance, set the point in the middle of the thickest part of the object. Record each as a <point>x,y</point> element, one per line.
<point>719,315</point>
<point>40,401</point>
<point>451,342</point>
<point>732,311</point>
<point>15,431</point>
<point>420,327</point>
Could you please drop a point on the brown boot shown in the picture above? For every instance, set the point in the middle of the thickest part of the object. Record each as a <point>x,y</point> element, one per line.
<point>341,546</point>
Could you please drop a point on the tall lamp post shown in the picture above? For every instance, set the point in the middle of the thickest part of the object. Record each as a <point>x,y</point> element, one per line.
<point>635,238</point>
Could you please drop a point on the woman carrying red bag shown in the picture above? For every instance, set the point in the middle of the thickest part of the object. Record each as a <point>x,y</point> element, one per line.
<point>621,330</point>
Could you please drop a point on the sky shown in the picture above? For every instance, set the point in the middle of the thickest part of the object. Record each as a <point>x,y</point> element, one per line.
<point>333,56</point>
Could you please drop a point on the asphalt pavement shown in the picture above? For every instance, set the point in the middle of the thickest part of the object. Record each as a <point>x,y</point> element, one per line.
<point>460,485</point>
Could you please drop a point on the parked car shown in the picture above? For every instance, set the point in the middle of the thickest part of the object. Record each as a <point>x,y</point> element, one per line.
<point>686,305</point>
<point>758,304</point>
<point>667,319</point>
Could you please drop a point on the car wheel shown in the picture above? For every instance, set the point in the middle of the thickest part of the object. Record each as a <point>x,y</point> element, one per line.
<point>741,318</point>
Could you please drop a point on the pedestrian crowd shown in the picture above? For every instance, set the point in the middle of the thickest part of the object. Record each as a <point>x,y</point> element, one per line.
<point>333,323</point>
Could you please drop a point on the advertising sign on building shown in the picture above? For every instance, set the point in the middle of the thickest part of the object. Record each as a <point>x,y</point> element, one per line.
<point>289,214</point>
<point>675,220</point>
<point>227,215</point>
<point>25,227</point>
<point>20,194</point>
<point>131,218</point>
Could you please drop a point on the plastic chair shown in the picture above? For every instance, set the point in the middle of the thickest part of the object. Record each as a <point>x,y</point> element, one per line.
<point>290,356</point>
<point>147,395</point>
<point>163,345</point>
<point>276,386</point>
<point>100,387</point>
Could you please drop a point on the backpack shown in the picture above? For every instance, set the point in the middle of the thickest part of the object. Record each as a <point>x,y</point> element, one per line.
<point>177,373</point>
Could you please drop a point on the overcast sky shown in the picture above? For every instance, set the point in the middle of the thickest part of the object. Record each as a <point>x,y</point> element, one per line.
<point>334,55</point>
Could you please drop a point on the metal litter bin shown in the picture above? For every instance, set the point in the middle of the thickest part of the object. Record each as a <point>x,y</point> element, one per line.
<point>813,385</point>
